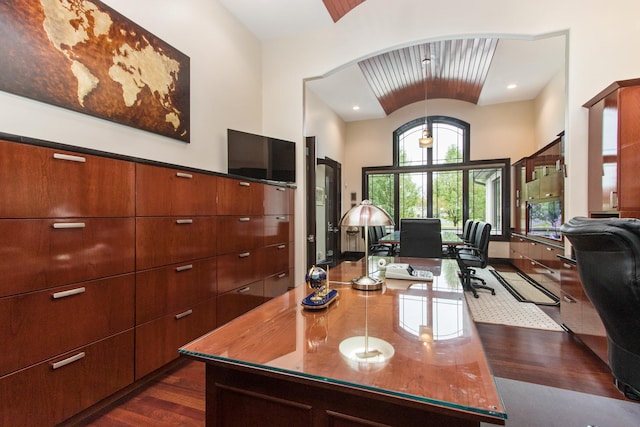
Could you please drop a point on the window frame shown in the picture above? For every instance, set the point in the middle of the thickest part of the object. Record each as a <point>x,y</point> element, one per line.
<point>465,166</point>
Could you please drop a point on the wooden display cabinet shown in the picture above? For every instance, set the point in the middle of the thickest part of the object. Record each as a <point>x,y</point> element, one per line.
<point>614,150</point>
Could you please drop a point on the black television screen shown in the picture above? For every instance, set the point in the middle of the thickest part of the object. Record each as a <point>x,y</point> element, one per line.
<point>545,218</point>
<point>261,157</point>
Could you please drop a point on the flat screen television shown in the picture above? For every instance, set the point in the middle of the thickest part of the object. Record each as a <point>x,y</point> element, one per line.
<point>261,157</point>
<point>545,218</point>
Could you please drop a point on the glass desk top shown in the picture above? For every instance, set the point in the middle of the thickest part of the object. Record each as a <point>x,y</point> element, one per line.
<point>415,341</point>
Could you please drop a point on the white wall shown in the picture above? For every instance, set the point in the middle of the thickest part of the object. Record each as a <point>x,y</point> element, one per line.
<point>226,89</point>
<point>549,110</point>
<point>594,28</point>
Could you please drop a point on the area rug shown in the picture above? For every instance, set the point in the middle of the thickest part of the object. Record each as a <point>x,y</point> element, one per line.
<point>534,405</point>
<point>503,309</point>
<point>524,289</point>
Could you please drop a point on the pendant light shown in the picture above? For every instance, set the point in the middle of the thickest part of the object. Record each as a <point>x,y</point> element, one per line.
<point>426,140</point>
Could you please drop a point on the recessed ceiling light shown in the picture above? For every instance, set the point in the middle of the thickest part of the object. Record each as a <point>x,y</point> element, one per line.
<point>512,86</point>
<point>356,107</point>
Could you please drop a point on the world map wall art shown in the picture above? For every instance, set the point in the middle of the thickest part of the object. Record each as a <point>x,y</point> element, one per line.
<point>86,57</point>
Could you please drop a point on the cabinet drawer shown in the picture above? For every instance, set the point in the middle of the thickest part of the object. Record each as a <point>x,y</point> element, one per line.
<point>39,325</point>
<point>238,301</point>
<point>162,241</point>
<point>169,192</point>
<point>52,391</point>
<point>238,197</point>
<point>38,254</point>
<point>276,229</point>
<point>238,233</point>
<point>276,200</point>
<point>157,342</point>
<point>276,259</point>
<point>164,290</point>
<point>278,284</point>
<point>37,182</point>
<point>239,269</point>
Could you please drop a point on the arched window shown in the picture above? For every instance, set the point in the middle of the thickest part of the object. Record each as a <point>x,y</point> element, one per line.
<point>440,181</point>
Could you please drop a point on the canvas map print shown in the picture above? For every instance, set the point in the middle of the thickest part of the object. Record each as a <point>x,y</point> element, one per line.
<point>84,56</point>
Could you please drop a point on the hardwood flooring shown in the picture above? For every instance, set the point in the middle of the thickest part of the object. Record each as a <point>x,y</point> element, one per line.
<point>555,359</point>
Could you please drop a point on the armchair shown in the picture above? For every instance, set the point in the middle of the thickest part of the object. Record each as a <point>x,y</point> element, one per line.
<point>607,252</point>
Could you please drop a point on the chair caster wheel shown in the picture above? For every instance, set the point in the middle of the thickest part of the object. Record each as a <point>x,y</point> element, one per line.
<point>477,296</point>
<point>493,292</point>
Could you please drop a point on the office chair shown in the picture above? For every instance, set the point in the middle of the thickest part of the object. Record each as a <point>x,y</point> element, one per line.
<point>607,252</point>
<point>468,230</point>
<point>421,238</point>
<point>476,254</point>
<point>375,247</point>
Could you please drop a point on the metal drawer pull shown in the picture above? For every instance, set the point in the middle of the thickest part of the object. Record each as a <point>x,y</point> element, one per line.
<point>282,275</point>
<point>184,175</point>
<point>68,293</point>
<point>569,299</point>
<point>244,184</point>
<point>548,194</point>
<point>69,157</point>
<point>63,225</point>
<point>244,290</point>
<point>281,218</point>
<point>185,314</point>
<point>279,189</point>
<point>565,265</point>
<point>244,255</point>
<point>184,221</point>
<point>184,268</point>
<point>244,219</point>
<point>67,361</point>
<point>282,246</point>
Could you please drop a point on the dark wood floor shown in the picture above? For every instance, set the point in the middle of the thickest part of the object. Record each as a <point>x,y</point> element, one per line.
<point>555,359</point>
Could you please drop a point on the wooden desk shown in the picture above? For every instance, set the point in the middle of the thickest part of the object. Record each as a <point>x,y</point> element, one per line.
<point>280,364</point>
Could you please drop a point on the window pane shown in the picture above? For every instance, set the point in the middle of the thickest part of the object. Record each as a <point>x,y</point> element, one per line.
<point>409,151</point>
<point>448,143</point>
<point>447,199</point>
<point>413,195</point>
<point>381,191</point>
<point>485,198</point>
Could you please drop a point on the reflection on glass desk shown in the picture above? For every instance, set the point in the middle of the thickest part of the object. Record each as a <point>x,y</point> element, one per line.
<point>408,354</point>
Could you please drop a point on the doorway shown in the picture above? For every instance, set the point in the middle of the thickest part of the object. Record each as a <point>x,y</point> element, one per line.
<point>328,209</point>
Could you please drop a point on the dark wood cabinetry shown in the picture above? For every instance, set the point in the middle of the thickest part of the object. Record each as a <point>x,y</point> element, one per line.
<point>109,265</point>
<point>67,290</point>
<point>539,195</point>
<point>614,150</point>
<point>578,313</point>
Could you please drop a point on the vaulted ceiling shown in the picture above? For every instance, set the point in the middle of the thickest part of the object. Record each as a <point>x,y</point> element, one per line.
<point>475,70</point>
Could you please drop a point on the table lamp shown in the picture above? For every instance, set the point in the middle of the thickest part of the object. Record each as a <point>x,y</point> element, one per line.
<point>364,215</point>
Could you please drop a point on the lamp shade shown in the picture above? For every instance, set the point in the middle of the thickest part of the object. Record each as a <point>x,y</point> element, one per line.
<point>365,214</point>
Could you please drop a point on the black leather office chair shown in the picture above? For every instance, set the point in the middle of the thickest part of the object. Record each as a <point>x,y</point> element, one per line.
<point>607,252</point>
<point>375,247</point>
<point>420,237</point>
<point>468,230</point>
<point>475,255</point>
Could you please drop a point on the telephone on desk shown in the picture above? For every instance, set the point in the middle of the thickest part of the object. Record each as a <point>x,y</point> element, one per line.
<point>407,272</point>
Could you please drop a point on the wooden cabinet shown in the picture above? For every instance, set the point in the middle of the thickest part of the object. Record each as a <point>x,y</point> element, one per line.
<point>614,150</point>
<point>176,279</point>
<point>67,289</point>
<point>108,266</point>
<point>578,313</point>
<point>538,260</point>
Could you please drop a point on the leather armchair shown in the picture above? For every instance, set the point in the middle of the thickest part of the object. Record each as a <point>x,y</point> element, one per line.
<point>607,252</point>
<point>475,254</point>
<point>421,237</point>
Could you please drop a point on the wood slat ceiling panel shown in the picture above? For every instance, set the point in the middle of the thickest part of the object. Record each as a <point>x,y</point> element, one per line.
<point>338,8</point>
<point>457,69</point>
